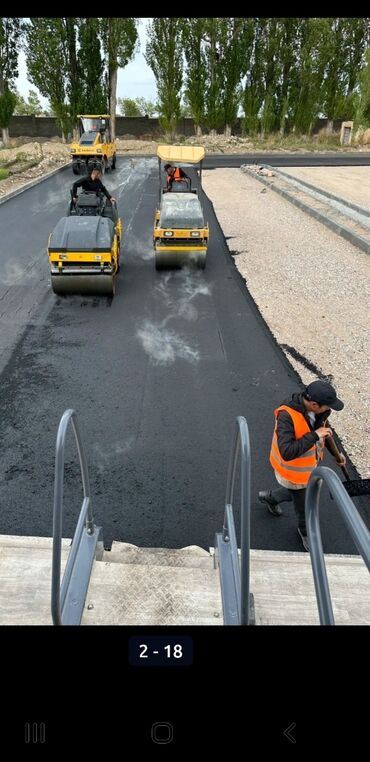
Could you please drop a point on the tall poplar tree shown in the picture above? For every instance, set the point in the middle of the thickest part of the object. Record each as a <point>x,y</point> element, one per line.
<point>164,55</point>
<point>10,38</point>
<point>119,38</point>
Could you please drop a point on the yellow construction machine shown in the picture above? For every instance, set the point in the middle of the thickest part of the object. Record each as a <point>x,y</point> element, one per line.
<point>180,235</point>
<point>94,149</point>
<point>84,247</point>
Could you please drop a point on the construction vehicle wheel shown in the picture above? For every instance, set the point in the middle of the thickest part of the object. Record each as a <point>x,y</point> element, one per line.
<point>84,285</point>
<point>201,261</point>
<point>75,169</point>
<point>162,261</point>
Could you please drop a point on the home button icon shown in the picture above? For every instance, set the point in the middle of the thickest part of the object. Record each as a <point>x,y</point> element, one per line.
<point>162,732</point>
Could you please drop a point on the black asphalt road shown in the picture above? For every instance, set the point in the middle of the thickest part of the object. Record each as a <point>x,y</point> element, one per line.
<point>157,376</point>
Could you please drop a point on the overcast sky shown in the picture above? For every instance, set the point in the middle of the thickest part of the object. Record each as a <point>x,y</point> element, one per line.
<point>136,80</point>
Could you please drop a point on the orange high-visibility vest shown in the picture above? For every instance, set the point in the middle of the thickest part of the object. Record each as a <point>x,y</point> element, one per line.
<point>175,177</point>
<point>298,470</point>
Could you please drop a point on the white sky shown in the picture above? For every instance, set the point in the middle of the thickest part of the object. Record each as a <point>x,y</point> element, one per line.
<point>136,80</point>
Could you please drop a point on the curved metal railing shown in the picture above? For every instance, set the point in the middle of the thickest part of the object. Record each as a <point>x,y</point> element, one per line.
<point>68,598</point>
<point>234,578</point>
<point>354,523</point>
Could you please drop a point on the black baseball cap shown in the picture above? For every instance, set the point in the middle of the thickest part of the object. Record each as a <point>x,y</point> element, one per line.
<point>324,394</point>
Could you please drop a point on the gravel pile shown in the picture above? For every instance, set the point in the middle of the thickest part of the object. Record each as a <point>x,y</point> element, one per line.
<point>313,290</point>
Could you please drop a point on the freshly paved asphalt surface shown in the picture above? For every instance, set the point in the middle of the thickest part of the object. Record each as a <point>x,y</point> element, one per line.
<point>157,376</point>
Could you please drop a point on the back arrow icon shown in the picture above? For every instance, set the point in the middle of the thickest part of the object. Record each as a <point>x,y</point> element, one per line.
<point>287,733</point>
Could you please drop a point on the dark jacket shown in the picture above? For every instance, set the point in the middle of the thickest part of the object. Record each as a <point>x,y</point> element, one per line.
<point>289,446</point>
<point>88,184</point>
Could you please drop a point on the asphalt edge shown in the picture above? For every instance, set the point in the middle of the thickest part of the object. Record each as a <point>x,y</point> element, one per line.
<point>32,183</point>
<point>340,230</point>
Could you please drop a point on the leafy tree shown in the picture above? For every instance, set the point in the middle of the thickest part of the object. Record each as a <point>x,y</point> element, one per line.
<point>46,64</point>
<point>34,103</point>
<point>92,91</point>
<point>313,56</point>
<point>30,106</point>
<point>137,107</point>
<point>68,33</point>
<point>165,57</point>
<point>129,107</point>
<point>120,41</point>
<point>21,106</point>
<point>214,117</point>
<point>236,36</point>
<point>186,110</point>
<point>147,106</point>
<point>193,32</point>
<point>7,106</point>
<point>71,79</point>
<point>286,90</point>
<point>11,30</point>
<point>363,96</point>
<point>347,38</point>
<point>271,75</point>
<point>253,95</point>
<point>358,41</point>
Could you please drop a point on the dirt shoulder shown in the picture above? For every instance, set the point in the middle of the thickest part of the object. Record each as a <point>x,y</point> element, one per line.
<point>220,144</point>
<point>26,161</point>
<point>27,158</point>
<point>311,287</point>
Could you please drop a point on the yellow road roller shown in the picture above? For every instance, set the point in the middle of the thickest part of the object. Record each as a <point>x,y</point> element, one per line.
<point>180,235</point>
<point>84,247</point>
<point>95,148</point>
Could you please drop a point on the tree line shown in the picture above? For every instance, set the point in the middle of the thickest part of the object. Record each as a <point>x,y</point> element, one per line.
<point>282,73</point>
<point>73,62</point>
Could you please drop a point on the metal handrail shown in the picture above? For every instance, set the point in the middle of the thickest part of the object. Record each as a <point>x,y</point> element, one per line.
<point>241,442</point>
<point>354,523</point>
<point>85,523</point>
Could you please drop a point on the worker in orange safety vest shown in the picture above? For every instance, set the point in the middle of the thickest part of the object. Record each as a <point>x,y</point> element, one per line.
<point>299,438</point>
<point>174,174</point>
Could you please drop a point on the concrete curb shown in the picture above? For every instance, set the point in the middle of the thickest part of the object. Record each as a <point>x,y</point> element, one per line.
<point>341,230</point>
<point>32,183</point>
<point>326,193</point>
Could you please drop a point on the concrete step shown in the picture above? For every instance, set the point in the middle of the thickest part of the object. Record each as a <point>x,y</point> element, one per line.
<point>126,594</point>
<point>284,593</point>
<point>194,550</point>
<point>25,584</point>
<point>27,541</point>
<point>180,588</point>
<point>191,556</point>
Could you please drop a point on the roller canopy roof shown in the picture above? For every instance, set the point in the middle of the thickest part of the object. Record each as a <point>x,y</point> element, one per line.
<point>183,154</point>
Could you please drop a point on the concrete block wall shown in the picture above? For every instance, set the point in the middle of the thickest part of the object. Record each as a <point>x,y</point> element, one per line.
<point>138,126</point>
